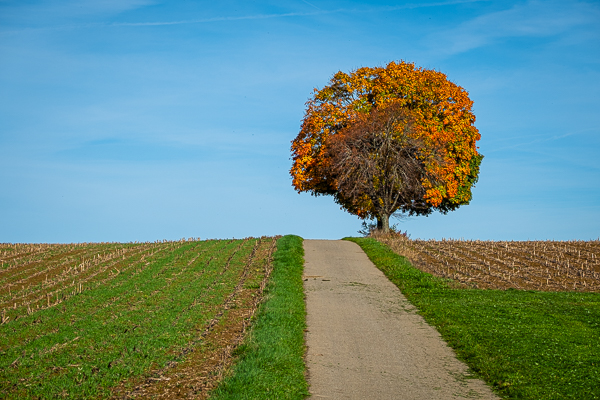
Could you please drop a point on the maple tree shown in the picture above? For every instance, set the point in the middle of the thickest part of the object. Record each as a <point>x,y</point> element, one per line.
<point>388,139</point>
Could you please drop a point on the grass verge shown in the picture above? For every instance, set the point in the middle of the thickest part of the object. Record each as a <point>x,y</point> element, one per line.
<point>526,344</point>
<point>271,360</point>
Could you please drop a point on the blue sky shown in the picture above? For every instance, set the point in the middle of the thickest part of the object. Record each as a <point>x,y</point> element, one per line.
<point>134,120</point>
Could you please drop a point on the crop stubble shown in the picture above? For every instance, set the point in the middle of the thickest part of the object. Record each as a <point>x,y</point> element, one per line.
<point>524,265</point>
<point>113,319</point>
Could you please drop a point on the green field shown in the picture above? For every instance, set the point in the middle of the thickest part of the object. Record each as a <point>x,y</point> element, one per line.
<point>94,320</point>
<point>526,344</point>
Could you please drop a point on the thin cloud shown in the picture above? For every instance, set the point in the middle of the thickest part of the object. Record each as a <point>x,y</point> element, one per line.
<point>312,5</point>
<point>544,139</point>
<point>535,18</point>
<point>220,19</point>
<point>300,14</point>
<point>318,11</point>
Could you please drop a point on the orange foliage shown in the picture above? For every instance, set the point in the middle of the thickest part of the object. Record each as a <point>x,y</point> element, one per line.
<point>443,120</point>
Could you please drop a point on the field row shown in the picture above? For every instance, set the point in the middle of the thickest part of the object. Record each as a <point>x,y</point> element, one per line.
<point>526,265</point>
<point>86,320</point>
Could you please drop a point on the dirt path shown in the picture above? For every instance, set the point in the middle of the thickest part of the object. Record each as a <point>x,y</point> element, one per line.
<point>365,340</point>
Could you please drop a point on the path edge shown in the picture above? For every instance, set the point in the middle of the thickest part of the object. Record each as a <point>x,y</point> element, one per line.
<point>426,282</point>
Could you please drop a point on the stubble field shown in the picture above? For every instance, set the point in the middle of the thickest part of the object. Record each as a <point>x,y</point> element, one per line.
<point>523,265</point>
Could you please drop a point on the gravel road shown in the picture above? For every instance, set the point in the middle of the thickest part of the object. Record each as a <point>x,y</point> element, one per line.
<point>365,340</point>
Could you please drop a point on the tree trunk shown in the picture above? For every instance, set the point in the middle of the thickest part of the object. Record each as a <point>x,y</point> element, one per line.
<point>383,223</point>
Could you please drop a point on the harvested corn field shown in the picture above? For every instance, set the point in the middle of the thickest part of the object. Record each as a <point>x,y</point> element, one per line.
<point>117,319</point>
<point>525,265</point>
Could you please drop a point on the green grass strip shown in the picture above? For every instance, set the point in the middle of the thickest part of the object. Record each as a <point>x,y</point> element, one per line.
<point>527,345</point>
<point>271,360</point>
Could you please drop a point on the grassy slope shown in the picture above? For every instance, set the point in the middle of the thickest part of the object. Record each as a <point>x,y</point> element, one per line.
<point>271,364</point>
<point>527,345</point>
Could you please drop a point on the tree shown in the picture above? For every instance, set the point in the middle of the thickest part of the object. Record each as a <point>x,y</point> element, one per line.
<point>381,140</point>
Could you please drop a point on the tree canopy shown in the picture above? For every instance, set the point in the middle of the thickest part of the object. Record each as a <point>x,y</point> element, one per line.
<point>388,139</point>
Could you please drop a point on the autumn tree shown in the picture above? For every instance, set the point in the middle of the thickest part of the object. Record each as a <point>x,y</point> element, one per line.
<point>387,139</point>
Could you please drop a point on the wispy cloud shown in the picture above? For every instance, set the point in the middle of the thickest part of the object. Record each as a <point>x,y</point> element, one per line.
<point>220,19</point>
<point>541,139</point>
<point>311,4</point>
<point>317,11</point>
<point>534,18</point>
